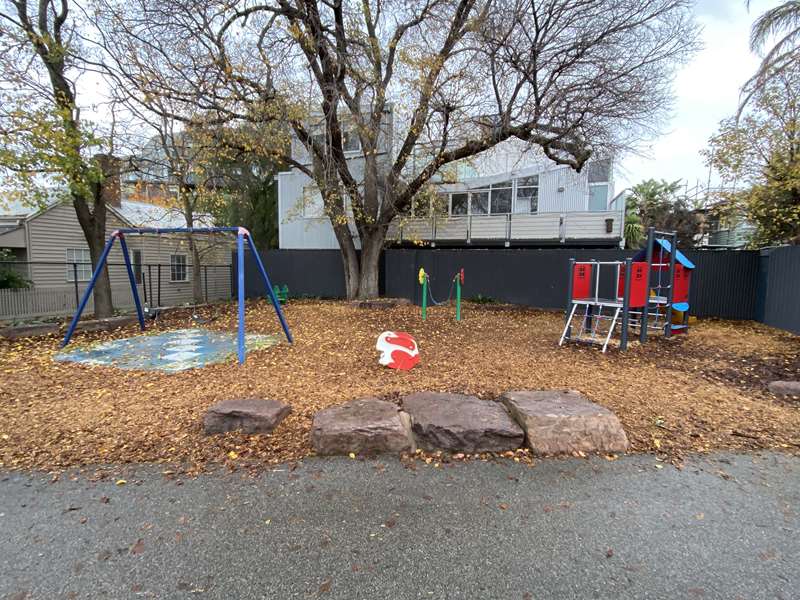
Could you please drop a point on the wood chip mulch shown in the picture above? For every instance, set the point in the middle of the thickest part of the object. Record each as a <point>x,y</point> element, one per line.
<point>695,393</point>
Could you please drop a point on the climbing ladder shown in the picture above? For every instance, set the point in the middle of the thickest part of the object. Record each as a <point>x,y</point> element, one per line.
<point>587,320</point>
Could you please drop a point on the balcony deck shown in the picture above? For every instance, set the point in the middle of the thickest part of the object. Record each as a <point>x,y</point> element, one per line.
<point>559,228</point>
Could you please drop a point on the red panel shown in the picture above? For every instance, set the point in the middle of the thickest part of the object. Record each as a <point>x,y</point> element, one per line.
<point>581,280</point>
<point>638,284</point>
<point>681,283</point>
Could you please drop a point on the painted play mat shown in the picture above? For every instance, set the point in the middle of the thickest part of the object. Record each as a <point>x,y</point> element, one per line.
<point>171,351</point>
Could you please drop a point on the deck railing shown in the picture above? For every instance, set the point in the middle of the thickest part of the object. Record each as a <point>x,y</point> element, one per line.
<point>509,228</point>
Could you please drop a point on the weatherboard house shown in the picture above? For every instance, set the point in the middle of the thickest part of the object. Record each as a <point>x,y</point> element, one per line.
<point>48,248</point>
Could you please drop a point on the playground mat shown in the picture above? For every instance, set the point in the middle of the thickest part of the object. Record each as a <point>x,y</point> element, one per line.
<point>696,393</point>
<point>170,351</point>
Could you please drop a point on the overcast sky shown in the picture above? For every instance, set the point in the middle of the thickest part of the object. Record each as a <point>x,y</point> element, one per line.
<point>707,91</point>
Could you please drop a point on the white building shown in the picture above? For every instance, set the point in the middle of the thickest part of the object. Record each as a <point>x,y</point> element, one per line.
<point>534,202</point>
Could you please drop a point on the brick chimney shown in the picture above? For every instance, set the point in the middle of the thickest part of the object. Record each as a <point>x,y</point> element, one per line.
<point>111,187</point>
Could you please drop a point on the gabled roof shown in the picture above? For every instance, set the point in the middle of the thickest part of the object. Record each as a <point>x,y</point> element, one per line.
<point>132,213</point>
<point>143,214</point>
<point>679,256</point>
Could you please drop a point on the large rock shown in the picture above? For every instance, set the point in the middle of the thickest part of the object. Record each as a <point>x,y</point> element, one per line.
<point>366,426</point>
<point>108,324</point>
<point>785,388</point>
<point>25,331</point>
<point>564,422</point>
<point>384,303</point>
<point>251,415</point>
<point>461,423</point>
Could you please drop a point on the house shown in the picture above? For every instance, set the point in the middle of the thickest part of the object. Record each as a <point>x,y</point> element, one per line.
<point>723,230</point>
<point>49,249</point>
<point>532,203</point>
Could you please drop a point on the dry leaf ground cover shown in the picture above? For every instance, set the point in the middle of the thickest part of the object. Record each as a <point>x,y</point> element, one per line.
<point>700,392</point>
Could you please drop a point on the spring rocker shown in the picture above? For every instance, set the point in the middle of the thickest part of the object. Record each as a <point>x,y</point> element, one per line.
<point>457,282</point>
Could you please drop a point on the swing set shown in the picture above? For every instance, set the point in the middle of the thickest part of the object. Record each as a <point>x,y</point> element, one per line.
<point>242,234</point>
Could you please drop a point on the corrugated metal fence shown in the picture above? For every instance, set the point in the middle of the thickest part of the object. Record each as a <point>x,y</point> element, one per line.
<point>724,286</point>
<point>727,284</point>
<point>779,293</point>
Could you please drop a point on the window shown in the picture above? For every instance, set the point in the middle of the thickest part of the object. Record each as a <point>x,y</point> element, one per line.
<point>177,267</point>
<point>501,198</point>
<point>527,195</point>
<point>599,171</point>
<point>479,203</point>
<point>459,204</point>
<point>439,205</point>
<point>350,141</point>
<point>79,261</point>
<point>319,139</point>
<point>136,259</point>
<point>598,197</point>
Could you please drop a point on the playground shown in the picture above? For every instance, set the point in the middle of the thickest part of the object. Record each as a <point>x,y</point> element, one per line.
<point>688,393</point>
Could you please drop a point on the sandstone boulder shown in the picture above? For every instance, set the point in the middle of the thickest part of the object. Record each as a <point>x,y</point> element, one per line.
<point>363,426</point>
<point>460,423</point>
<point>564,422</point>
<point>251,415</point>
<point>25,331</point>
<point>108,324</point>
<point>785,388</point>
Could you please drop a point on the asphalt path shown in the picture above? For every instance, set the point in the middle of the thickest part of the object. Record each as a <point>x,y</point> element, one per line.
<point>724,526</point>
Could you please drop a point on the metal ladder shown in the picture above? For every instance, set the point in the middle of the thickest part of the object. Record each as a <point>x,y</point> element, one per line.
<point>590,320</point>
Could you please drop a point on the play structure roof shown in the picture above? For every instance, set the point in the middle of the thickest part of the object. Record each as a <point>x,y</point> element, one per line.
<point>679,256</point>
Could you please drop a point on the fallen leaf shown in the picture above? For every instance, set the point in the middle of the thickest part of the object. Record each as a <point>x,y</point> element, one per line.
<point>138,547</point>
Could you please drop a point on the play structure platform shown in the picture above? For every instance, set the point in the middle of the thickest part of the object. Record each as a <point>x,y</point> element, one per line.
<point>646,293</point>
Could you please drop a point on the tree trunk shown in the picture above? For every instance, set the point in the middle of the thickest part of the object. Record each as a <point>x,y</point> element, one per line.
<point>197,272</point>
<point>93,223</point>
<point>351,271</point>
<point>350,261</point>
<point>371,246</point>
<point>103,303</point>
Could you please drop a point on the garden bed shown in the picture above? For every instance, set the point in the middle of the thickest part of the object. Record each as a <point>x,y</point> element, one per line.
<point>694,393</point>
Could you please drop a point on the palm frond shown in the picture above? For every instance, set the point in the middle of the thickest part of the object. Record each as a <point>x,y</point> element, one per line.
<point>778,19</point>
<point>768,71</point>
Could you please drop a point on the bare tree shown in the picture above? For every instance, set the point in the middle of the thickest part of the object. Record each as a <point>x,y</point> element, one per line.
<point>459,77</point>
<point>42,133</point>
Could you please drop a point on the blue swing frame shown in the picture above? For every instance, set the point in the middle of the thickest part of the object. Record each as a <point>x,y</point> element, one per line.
<point>241,235</point>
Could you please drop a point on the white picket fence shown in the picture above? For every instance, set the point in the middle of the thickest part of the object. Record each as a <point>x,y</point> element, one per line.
<point>51,302</point>
<point>36,302</point>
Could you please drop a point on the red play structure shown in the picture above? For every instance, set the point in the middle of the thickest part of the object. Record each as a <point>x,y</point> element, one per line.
<point>647,292</point>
